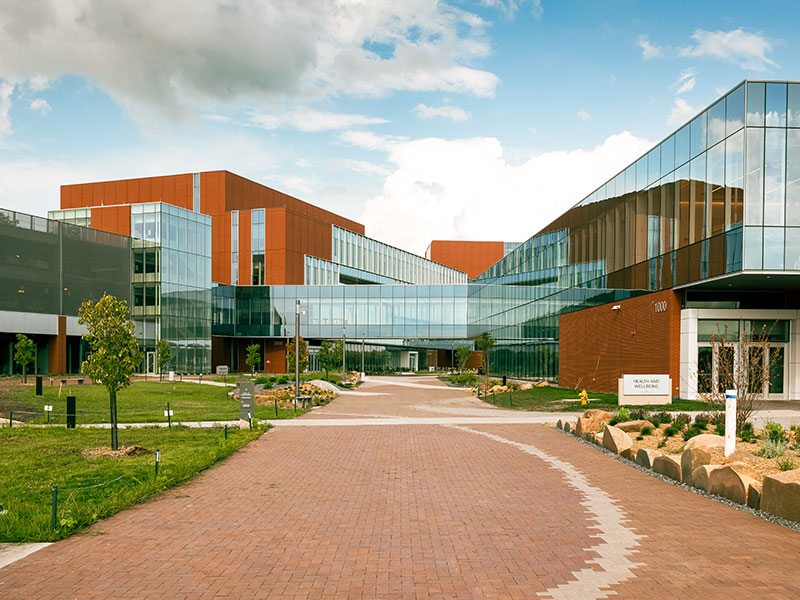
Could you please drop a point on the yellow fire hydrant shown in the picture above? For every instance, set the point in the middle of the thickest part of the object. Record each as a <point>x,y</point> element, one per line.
<point>584,396</point>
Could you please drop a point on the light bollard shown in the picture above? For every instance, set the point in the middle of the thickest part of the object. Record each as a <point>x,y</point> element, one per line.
<point>730,422</point>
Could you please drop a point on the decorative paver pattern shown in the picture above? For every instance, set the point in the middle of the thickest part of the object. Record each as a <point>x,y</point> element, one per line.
<point>417,508</point>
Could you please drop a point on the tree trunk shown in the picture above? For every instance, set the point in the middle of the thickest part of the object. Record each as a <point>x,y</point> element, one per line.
<point>112,397</point>
<point>24,373</point>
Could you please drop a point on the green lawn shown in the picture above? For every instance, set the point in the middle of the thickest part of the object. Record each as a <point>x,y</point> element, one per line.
<point>552,399</point>
<point>35,459</point>
<point>142,402</point>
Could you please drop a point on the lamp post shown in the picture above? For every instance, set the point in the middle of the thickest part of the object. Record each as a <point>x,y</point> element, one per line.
<point>344,356</point>
<point>362,354</point>
<point>296,353</point>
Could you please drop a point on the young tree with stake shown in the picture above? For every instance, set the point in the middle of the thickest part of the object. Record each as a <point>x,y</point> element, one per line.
<point>486,342</point>
<point>115,354</point>
<point>253,356</point>
<point>163,356</point>
<point>24,353</point>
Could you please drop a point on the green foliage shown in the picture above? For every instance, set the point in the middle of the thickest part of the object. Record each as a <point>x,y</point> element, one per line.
<point>774,432</point>
<point>283,380</point>
<point>682,420</point>
<point>463,354</point>
<point>486,343</point>
<point>663,417</point>
<point>263,380</point>
<point>163,355</point>
<point>115,354</point>
<point>253,356</point>
<point>303,354</point>
<point>640,414</point>
<point>24,353</point>
<point>786,463</point>
<point>663,442</point>
<point>771,448</point>
<point>464,379</point>
<point>623,414</point>
<point>719,429</point>
<point>670,431</point>
<point>691,432</point>
<point>646,430</point>
<point>701,421</point>
<point>747,434</point>
<point>639,438</point>
<point>330,355</point>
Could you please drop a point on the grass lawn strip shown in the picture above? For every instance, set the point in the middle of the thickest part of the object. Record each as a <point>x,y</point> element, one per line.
<point>142,402</point>
<point>93,488</point>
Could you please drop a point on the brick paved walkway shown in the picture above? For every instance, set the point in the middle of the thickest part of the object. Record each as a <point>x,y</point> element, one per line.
<point>417,511</point>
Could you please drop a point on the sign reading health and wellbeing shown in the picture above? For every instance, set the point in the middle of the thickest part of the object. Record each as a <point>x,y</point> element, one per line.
<point>646,385</point>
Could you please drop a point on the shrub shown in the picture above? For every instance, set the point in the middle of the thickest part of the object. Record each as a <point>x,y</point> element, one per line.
<point>793,427</point>
<point>663,442</point>
<point>623,415</point>
<point>785,463</point>
<point>682,420</point>
<point>670,431</point>
<point>702,420</point>
<point>691,432</point>
<point>774,432</point>
<point>718,418</point>
<point>639,437</point>
<point>719,429</point>
<point>664,417</point>
<point>646,430</point>
<point>748,434</point>
<point>640,414</point>
<point>773,448</point>
<point>265,381</point>
<point>283,379</point>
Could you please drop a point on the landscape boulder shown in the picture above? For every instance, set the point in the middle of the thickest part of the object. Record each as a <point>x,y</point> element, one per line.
<point>592,420</point>
<point>560,425</point>
<point>706,441</point>
<point>526,386</point>
<point>668,465</point>
<point>700,476</point>
<point>646,456</point>
<point>616,440</point>
<point>567,426</point>
<point>780,495</point>
<point>693,458</point>
<point>543,384</point>
<point>629,426</point>
<point>498,389</point>
<point>754,495</point>
<point>730,483</point>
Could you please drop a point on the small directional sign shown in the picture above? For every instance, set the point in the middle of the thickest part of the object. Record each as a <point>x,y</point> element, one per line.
<point>246,393</point>
<point>48,408</point>
<point>168,413</point>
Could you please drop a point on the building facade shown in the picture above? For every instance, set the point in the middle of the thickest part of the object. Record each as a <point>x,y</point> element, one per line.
<point>697,238</point>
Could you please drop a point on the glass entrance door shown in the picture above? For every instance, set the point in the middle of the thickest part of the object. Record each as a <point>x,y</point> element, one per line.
<point>150,363</point>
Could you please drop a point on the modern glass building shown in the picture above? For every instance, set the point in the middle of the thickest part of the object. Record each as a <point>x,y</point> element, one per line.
<point>700,233</point>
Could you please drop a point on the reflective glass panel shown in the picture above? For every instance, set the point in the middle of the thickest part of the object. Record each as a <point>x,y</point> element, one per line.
<point>793,177</point>
<point>774,176</point>
<point>755,104</point>
<point>716,123</point>
<point>773,248</point>
<point>734,110</point>
<point>775,112</point>
<point>793,111</point>
<point>754,177</point>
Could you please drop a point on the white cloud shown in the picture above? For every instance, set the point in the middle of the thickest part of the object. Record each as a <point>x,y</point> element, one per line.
<point>685,82</point>
<point>310,120</point>
<point>748,50</point>
<point>41,105</point>
<point>448,111</point>
<point>584,115</point>
<point>649,50</point>
<point>510,7</point>
<point>185,57</point>
<point>6,89</point>
<point>681,112</point>
<point>370,141</point>
<point>466,189</point>
<point>359,166</point>
<point>302,163</point>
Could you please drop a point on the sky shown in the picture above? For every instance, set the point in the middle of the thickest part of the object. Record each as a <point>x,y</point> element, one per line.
<point>482,119</point>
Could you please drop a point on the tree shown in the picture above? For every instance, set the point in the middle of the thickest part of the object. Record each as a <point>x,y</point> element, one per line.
<point>746,364</point>
<point>163,356</point>
<point>24,353</point>
<point>253,356</point>
<point>330,355</point>
<point>463,354</point>
<point>486,342</point>
<point>115,354</point>
<point>303,355</point>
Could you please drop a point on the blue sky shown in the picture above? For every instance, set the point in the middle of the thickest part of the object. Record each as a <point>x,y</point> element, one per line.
<point>423,120</point>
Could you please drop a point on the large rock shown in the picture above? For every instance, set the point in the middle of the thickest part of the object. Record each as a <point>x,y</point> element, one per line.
<point>592,420</point>
<point>543,384</point>
<point>629,426</point>
<point>526,386</point>
<point>700,476</point>
<point>742,468</point>
<point>706,441</point>
<point>754,495</point>
<point>781,495</point>
<point>729,483</point>
<point>560,425</point>
<point>582,426</point>
<point>567,426</point>
<point>693,458</point>
<point>616,440</point>
<point>646,456</point>
<point>668,465</point>
<point>498,389</point>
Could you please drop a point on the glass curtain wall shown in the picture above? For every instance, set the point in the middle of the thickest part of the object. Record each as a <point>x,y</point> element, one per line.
<point>258,229</point>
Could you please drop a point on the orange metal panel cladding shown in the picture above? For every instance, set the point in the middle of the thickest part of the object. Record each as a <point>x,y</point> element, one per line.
<point>471,257</point>
<point>598,345</point>
<point>114,219</point>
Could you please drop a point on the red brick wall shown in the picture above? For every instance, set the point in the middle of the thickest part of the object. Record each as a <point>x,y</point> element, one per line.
<point>473,258</point>
<point>597,345</point>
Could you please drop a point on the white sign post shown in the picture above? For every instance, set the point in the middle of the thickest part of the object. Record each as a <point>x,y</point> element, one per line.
<point>730,422</point>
